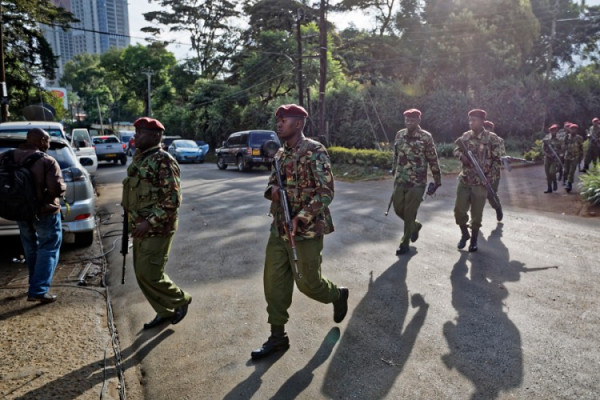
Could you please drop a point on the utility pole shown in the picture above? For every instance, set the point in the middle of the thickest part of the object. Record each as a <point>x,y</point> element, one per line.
<point>4,94</point>
<point>551,43</point>
<point>100,116</point>
<point>299,57</point>
<point>149,74</point>
<point>323,67</point>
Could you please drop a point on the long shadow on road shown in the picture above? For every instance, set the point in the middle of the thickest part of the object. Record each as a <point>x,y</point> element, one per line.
<point>377,342</point>
<point>484,344</point>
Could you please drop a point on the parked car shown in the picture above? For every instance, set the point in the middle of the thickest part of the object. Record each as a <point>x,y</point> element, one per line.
<point>245,150</point>
<point>186,150</point>
<point>21,128</point>
<point>109,148</point>
<point>203,145</point>
<point>81,142</point>
<point>78,218</point>
<point>125,137</point>
<point>167,140</point>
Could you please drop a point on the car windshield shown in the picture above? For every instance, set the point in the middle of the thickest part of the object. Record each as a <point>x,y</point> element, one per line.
<point>105,139</point>
<point>125,138</point>
<point>186,144</point>
<point>23,131</point>
<point>258,138</point>
<point>61,153</point>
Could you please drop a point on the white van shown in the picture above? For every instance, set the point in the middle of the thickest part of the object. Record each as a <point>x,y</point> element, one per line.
<point>84,148</point>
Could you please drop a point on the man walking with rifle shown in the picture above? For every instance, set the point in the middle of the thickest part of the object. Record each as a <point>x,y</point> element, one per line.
<point>151,199</point>
<point>593,152</point>
<point>414,150</point>
<point>495,174</point>
<point>305,171</point>
<point>479,150</point>
<point>552,147</point>
<point>573,146</point>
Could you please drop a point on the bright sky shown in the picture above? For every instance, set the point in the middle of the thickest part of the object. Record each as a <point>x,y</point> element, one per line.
<point>137,22</point>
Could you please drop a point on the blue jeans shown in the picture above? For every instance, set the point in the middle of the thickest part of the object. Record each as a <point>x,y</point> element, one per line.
<point>41,241</point>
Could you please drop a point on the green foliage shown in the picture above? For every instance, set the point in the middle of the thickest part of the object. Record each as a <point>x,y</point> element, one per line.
<point>590,185</point>
<point>535,153</point>
<point>364,157</point>
<point>445,149</point>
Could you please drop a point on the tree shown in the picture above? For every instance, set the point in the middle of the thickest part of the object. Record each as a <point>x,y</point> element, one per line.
<point>384,12</point>
<point>207,23</point>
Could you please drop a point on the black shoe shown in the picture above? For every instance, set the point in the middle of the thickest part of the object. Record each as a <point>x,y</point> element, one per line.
<point>472,247</point>
<point>43,298</point>
<point>415,234</point>
<point>158,320</point>
<point>272,345</point>
<point>549,189</point>
<point>554,186</point>
<point>180,313</point>
<point>569,187</point>
<point>402,250</point>
<point>463,239</point>
<point>499,214</point>
<point>340,306</point>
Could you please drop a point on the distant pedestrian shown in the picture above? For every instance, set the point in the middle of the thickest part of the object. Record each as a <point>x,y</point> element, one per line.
<point>495,172</point>
<point>471,192</point>
<point>151,198</point>
<point>593,152</point>
<point>553,149</point>
<point>41,236</point>
<point>414,150</point>
<point>308,182</point>
<point>573,146</point>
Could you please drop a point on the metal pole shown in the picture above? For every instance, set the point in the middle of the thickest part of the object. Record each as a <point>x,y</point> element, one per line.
<point>323,66</point>
<point>100,115</point>
<point>4,94</point>
<point>149,74</point>
<point>299,56</point>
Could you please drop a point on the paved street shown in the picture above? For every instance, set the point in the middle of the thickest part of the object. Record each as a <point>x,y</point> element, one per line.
<point>518,319</point>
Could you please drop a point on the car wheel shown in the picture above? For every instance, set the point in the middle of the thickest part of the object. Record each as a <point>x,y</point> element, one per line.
<point>84,239</point>
<point>221,163</point>
<point>241,166</point>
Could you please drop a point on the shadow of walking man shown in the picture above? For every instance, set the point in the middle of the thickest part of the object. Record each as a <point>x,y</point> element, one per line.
<point>377,342</point>
<point>485,345</point>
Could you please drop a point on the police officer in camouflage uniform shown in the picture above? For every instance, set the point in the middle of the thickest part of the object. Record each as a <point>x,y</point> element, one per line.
<point>471,192</point>
<point>495,174</point>
<point>151,198</point>
<point>306,173</point>
<point>573,146</point>
<point>593,153</point>
<point>414,149</point>
<point>552,164</point>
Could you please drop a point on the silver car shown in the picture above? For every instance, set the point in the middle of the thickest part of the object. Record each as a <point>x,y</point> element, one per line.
<point>78,207</point>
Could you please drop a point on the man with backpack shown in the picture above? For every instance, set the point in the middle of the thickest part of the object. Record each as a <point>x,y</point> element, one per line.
<point>41,233</point>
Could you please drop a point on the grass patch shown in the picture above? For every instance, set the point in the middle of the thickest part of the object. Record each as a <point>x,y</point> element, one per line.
<point>353,172</point>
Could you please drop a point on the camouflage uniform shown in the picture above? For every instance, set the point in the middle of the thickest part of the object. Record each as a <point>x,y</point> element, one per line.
<point>152,192</point>
<point>593,151</point>
<point>573,146</point>
<point>412,153</point>
<point>471,192</point>
<point>308,184</point>
<point>495,173</point>
<point>551,164</point>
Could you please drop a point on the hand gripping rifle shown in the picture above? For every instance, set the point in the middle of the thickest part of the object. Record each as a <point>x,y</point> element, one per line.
<point>271,149</point>
<point>124,243</point>
<point>492,195</point>
<point>547,143</point>
<point>394,170</point>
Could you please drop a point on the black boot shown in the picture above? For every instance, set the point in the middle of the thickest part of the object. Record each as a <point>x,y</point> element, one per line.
<point>278,341</point>
<point>499,214</point>
<point>549,189</point>
<point>465,236</point>
<point>340,306</point>
<point>569,187</point>
<point>473,245</point>
<point>554,186</point>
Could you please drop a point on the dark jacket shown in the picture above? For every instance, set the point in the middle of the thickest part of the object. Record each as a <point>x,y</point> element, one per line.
<point>48,177</point>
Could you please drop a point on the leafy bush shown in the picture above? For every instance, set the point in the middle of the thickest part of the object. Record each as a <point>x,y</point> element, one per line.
<point>364,157</point>
<point>590,185</point>
<point>535,153</point>
<point>445,149</point>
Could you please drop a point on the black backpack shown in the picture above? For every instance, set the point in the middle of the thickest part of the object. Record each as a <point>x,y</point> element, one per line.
<point>18,195</point>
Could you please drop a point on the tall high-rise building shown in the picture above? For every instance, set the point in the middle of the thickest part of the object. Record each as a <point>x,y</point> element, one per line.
<point>102,24</point>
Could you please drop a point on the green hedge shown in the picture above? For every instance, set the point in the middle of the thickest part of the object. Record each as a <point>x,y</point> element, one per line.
<point>590,185</point>
<point>373,158</point>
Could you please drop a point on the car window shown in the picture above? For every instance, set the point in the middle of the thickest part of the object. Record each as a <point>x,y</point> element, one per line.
<point>105,139</point>
<point>233,141</point>
<point>23,131</point>
<point>61,153</point>
<point>244,139</point>
<point>186,144</point>
<point>81,138</point>
<point>258,138</point>
<point>126,138</point>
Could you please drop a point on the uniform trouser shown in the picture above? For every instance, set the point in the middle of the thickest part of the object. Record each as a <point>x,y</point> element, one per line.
<point>550,167</point>
<point>469,197</point>
<point>406,204</point>
<point>592,155</point>
<point>150,255</point>
<point>570,168</point>
<point>495,183</point>
<point>279,276</point>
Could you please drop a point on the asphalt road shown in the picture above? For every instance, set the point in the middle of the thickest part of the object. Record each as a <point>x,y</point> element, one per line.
<point>518,319</point>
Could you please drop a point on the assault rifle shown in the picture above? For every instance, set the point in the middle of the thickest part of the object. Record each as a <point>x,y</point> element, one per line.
<point>271,149</point>
<point>491,193</point>
<point>394,170</point>
<point>124,243</point>
<point>547,143</point>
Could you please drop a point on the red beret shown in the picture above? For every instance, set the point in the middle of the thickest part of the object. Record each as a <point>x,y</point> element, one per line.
<point>489,125</point>
<point>149,123</point>
<point>555,126</point>
<point>478,113</point>
<point>291,110</point>
<point>573,126</point>
<point>595,120</point>
<point>412,113</point>
<point>566,124</point>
